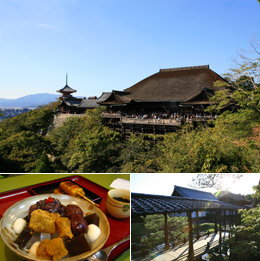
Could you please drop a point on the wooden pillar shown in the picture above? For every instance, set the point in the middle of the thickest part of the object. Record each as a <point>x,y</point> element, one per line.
<point>220,230</point>
<point>239,219</point>
<point>236,218</point>
<point>166,231</point>
<point>231,218</point>
<point>122,131</point>
<point>230,212</point>
<point>225,220</point>
<point>197,224</point>
<point>191,251</point>
<point>216,221</point>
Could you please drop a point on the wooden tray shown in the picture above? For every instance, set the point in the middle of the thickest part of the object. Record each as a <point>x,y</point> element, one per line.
<point>119,228</point>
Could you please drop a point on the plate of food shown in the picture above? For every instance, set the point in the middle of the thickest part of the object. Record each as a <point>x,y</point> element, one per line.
<point>54,227</point>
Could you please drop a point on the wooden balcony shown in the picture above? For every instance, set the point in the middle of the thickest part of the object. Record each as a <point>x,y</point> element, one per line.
<point>111,115</point>
<point>169,122</point>
<point>117,121</point>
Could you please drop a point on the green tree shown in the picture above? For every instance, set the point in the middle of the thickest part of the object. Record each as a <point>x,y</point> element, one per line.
<point>203,150</point>
<point>244,81</point>
<point>139,155</point>
<point>19,152</point>
<point>85,145</point>
<point>94,150</point>
<point>245,243</point>
<point>36,121</point>
<point>43,164</point>
<point>178,230</point>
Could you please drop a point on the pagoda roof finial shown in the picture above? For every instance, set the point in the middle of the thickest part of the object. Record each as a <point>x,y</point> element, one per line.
<point>66,90</point>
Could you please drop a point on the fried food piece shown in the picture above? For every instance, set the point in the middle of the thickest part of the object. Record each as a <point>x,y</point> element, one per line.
<point>41,250</point>
<point>52,249</point>
<point>43,222</point>
<point>63,225</point>
<point>71,188</point>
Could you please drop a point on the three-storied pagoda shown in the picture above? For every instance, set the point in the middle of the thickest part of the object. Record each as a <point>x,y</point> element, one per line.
<point>73,105</point>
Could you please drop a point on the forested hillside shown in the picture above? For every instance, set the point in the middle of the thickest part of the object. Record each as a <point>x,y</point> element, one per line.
<point>85,145</point>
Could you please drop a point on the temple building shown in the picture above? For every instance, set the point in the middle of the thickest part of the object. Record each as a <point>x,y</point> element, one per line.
<point>158,104</point>
<point>162,102</point>
<point>73,105</point>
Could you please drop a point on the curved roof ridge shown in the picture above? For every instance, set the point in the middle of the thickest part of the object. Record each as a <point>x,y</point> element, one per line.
<point>194,193</point>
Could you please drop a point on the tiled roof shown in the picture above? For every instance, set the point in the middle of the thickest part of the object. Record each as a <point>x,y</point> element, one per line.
<point>192,193</point>
<point>104,96</point>
<point>88,104</point>
<point>80,102</point>
<point>146,204</point>
<point>66,89</point>
<point>114,97</point>
<point>72,101</point>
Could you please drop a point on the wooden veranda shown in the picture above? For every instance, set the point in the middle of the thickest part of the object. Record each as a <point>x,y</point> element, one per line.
<point>145,204</point>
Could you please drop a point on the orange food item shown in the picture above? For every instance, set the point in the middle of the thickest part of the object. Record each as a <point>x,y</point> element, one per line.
<point>52,249</point>
<point>41,251</point>
<point>64,227</point>
<point>71,188</point>
<point>43,222</point>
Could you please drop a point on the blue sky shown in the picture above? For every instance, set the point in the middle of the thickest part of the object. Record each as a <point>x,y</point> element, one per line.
<point>109,45</point>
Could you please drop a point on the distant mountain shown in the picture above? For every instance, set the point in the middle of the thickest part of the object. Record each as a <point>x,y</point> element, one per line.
<point>28,101</point>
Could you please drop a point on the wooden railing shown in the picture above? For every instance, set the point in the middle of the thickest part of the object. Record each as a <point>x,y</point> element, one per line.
<point>172,122</point>
<point>111,115</point>
<point>162,121</point>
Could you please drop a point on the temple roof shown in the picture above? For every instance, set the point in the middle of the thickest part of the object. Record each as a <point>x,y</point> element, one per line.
<point>104,96</point>
<point>170,85</point>
<point>88,104</point>
<point>114,97</point>
<point>146,204</point>
<point>66,89</point>
<point>192,193</point>
<point>201,97</point>
<point>177,84</point>
<point>80,102</point>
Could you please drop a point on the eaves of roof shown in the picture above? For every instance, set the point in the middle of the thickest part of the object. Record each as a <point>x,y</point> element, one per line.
<point>146,204</point>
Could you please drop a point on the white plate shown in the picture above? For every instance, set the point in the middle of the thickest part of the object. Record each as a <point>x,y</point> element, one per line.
<point>21,210</point>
